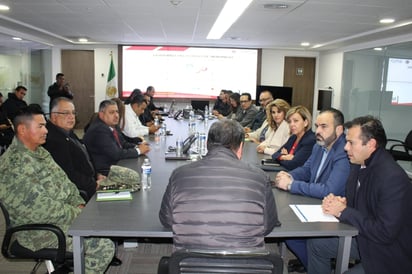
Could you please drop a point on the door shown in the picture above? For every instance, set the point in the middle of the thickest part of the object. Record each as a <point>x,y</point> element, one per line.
<point>78,69</point>
<point>299,73</point>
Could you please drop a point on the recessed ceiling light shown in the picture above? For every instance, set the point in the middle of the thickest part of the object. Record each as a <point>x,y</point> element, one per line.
<point>305,44</point>
<point>275,6</point>
<point>4,7</point>
<point>377,49</point>
<point>83,40</point>
<point>386,20</point>
<point>17,38</point>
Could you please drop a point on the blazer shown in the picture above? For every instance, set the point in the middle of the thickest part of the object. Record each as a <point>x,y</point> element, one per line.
<point>380,208</point>
<point>302,152</point>
<point>332,176</point>
<point>103,147</point>
<point>71,158</point>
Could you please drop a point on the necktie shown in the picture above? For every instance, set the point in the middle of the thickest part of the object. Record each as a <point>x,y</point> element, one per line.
<point>116,137</point>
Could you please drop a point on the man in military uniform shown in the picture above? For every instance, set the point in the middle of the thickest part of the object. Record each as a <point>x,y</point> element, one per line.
<point>34,189</point>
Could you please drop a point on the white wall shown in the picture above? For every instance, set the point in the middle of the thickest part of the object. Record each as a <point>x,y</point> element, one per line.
<point>101,69</point>
<point>330,75</point>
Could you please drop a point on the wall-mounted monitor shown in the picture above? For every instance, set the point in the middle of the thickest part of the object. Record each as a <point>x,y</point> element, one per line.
<point>188,72</point>
<point>284,93</point>
<point>324,99</point>
<point>399,81</point>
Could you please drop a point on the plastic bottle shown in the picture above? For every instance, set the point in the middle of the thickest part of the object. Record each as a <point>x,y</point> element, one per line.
<point>179,147</point>
<point>192,122</point>
<point>156,121</point>
<point>206,112</point>
<point>146,174</point>
<point>202,144</point>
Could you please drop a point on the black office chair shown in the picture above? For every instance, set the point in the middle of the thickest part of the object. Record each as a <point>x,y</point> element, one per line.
<point>401,150</point>
<point>183,261</point>
<point>61,259</point>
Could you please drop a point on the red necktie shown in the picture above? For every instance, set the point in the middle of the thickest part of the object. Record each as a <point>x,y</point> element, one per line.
<point>116,137</point>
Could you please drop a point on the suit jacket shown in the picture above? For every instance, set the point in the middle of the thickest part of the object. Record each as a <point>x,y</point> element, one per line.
<point>103,147</point>
<point>332,176</point>
<point>302,151</point>
<point>246,117</point>
<point>71,158</point>
<point>381,210</point>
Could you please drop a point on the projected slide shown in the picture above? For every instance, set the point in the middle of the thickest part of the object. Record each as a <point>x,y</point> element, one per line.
<point>188,72</point>
<point>399,81</point>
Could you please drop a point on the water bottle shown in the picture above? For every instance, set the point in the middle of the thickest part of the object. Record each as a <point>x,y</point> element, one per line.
<point>164,130</point>
<point>192,122</point>
<point>156,121</point>
<point>206,112</point>
<point>146,174</point>
<point>202,144</point>
<point>179,147</point>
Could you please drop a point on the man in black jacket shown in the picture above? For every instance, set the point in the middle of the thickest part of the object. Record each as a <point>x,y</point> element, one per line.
<point>15,102</point>
<point>67,149</point>
<point>220,202</point>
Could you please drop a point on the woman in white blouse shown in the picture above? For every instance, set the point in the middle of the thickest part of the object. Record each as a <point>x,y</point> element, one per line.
<point>277,130</point>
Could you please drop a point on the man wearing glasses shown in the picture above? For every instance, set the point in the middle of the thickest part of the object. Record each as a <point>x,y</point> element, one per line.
<point>67,149</point>
<point>265,98</point>
<point>249,110</point>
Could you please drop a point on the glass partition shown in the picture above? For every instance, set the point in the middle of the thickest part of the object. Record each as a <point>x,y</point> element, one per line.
<point>22,63</point>
<point>379,82</point>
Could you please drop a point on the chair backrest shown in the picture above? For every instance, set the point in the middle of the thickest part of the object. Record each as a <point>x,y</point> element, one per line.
<point>408,140</point>
<point>5,214</point>
<point>195,262</point>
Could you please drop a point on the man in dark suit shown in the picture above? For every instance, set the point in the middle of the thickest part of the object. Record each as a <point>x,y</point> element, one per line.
<point>105,144</point>
<point>67,149</point>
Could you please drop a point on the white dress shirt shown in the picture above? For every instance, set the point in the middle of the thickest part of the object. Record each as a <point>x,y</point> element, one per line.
<point>133,127</point>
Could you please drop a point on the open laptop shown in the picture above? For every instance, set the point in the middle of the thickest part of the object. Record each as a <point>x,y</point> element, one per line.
<point>166,113</point>
<point>185,149</point>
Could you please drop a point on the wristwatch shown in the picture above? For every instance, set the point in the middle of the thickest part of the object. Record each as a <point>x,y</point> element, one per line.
<point>289,186</point>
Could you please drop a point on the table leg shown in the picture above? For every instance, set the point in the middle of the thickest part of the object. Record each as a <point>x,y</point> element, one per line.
<point>342,260</point>
<point>78,255</point>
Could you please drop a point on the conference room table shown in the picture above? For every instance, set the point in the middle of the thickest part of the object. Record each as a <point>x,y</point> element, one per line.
<point>139,217</point>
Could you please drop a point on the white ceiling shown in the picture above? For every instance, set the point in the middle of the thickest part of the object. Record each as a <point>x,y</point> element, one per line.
<point>333,23</point>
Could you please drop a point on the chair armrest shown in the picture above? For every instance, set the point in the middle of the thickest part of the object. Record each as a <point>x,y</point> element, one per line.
<point>395,141</point>
<point>61,238</point>
<point>405,148</point>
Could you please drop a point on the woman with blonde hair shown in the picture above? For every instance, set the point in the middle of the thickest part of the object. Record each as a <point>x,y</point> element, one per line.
<point>298,147</point>
<point>277,130</point>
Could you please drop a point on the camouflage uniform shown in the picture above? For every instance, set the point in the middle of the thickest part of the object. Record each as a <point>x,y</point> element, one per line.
<point>35,189</point>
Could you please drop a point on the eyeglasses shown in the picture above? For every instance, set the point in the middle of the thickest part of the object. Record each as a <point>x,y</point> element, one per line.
<point>263,100</point>
<point>66,113</point>
<point>244,102</point>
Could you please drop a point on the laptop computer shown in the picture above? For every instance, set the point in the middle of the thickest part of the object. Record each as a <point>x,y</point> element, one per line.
<point>185,149</point>
<point>165,112</point>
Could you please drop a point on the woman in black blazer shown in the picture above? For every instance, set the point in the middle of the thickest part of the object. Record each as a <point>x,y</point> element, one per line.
<point>298,147</point>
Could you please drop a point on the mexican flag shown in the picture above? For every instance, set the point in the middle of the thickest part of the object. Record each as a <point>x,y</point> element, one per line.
<point>111,87</point>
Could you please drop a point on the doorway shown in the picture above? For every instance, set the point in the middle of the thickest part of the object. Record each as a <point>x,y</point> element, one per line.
<point>78,69</point>
<point>299,73</point>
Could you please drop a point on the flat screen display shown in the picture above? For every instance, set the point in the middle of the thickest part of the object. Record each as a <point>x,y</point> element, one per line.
<point>188,72</point>
<point>399,81</point>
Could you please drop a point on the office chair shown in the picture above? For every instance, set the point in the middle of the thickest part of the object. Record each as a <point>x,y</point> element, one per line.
<point>61,260</point>
<point>184,261</point>
<point>401,150</point>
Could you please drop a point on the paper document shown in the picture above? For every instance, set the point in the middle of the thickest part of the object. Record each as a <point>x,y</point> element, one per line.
<point>113,196</point>
<point>312,213</point>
